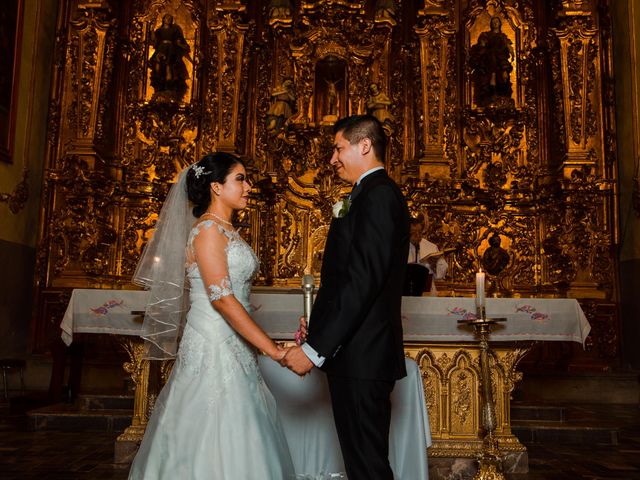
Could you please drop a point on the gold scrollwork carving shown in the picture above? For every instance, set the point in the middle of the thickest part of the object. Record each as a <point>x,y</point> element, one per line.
<point>461,399</point>
<point>436,77</point>
<point>90,61</point>
<point>165,370</point>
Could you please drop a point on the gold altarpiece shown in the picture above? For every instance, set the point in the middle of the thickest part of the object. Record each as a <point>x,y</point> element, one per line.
<point>500,116</point>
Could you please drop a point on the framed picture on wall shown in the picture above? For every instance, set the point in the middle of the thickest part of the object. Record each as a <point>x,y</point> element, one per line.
<point>10,40</point>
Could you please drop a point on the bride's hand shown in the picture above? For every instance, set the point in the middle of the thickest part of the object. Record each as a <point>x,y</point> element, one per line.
<point>279,353</point>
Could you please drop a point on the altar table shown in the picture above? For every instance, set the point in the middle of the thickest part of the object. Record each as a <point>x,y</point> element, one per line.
<point>425,319</point>
<point>446,352</point>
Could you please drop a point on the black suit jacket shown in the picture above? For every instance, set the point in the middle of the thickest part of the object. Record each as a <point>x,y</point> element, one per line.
<point>355,321</point>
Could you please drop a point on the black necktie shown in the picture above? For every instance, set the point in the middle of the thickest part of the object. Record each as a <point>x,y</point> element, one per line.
<point>355,191</point>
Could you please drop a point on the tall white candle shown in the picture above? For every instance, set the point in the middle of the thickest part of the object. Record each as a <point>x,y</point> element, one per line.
<point>480,289</point>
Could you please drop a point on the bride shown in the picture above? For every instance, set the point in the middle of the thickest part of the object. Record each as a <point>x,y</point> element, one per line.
<point>215,418</point>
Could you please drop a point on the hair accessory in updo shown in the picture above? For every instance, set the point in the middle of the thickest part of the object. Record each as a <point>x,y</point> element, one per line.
<point>199,170</point>
<point>212,168</point>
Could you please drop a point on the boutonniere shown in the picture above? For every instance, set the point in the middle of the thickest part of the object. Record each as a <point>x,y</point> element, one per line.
<point>341,208</point>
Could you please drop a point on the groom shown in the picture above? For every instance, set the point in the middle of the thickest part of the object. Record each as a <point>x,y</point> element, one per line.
<point>355,332</point>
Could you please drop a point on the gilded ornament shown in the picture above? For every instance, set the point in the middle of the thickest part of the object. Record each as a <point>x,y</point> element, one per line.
<point>495,258</point>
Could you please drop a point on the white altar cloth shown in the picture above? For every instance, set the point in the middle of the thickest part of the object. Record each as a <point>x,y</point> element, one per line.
<point>425,319</point>
<point>305,409</point>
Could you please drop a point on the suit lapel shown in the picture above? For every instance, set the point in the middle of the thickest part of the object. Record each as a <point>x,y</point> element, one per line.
<point>357,190</point>
<point>341,229</point>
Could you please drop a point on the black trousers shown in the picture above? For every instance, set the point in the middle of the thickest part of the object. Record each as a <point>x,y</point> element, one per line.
<point>362,412</point>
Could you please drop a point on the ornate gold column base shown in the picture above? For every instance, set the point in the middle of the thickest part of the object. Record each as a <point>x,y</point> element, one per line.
<point>127,444</point>
<point>132,433</point>
<point>148,378</point>
<point>488,469</point>
<point>445,468</point>
<point>489,461</point>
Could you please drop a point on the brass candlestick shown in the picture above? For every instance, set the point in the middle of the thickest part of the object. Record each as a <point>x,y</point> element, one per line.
<point>489,458</point>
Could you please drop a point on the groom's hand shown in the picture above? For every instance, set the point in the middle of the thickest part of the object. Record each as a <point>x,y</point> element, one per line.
<point>297,361</point>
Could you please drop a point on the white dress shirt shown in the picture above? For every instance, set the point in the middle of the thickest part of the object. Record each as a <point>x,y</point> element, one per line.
<point>425,248</point>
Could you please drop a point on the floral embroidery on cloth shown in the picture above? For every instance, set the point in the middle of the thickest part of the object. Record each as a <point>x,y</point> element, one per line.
<point>105,307</point>
<point>535,315</point>
<point>462,313</point>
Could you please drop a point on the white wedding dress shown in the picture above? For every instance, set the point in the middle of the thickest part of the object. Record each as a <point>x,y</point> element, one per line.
<point>215,418</point>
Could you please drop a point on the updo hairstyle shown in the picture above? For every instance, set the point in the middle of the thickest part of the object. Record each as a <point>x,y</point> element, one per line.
<point>213,167</point>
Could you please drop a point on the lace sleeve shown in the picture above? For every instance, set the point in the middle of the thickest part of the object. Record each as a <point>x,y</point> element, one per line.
<point>210,251</point>
<point>222,289</point>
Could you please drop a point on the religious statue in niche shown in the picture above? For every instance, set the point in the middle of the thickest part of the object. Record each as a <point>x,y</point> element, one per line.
<point>329,91</point>
<point>379,104</point>
<point>495,258</point>
<point>168,71</point>
<point>332,98</point>
<point>490,61</point>
<point>279,10</point>
<point>283,106</point>
<point>386,10</point>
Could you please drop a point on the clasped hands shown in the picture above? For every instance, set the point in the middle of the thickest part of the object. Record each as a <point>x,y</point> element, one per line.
<point>294,358</point>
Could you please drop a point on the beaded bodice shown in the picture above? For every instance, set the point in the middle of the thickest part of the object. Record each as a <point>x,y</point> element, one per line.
<point>241,261</point>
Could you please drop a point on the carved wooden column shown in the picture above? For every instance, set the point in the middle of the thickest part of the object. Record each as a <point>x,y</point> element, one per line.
<point>88,73</point>
<point>228,59</point>
<point>434,32</point>
<point>574,257</point>
<point>138,368</point>
<point>580,80</point>
<point>75,170</point>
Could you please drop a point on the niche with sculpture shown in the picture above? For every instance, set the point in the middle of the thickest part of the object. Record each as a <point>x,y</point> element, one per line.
<point>170,61</point>
<point>492,62</point>
<point>379,105</point>
<point>282,106</point>
<point>330,88</point>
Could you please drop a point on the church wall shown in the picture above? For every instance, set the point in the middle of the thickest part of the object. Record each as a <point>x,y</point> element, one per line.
<point>626,18</point>
<point>15,297</point>
<point>20,208</point>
